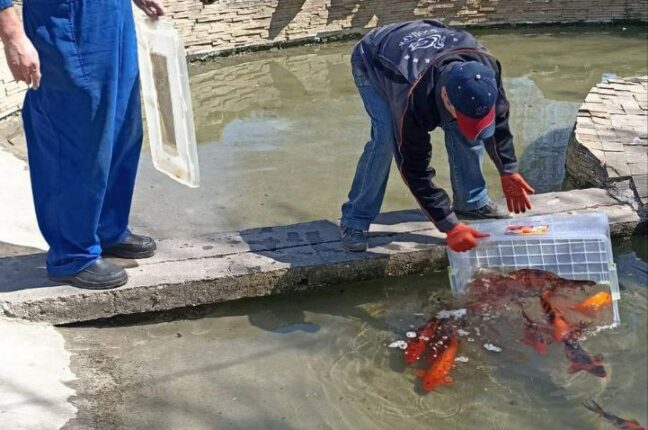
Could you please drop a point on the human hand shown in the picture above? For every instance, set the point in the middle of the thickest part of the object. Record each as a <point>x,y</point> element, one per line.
<point>152,8</point>
<point>22,59</point>
<point>515,189</point>
<point>463,238</point>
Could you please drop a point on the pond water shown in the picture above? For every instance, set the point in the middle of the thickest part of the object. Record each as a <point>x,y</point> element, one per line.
<point>321,361</point>
<point>280,132</point>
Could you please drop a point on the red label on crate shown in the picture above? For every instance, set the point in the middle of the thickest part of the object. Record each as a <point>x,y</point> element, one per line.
<point>527,230</point>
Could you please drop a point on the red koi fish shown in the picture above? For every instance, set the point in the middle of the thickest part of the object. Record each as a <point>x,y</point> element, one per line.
<point>535,335</point>
<point>416,346</point>
<point>618,422</point>
<point>438,344</point>
<point>581,360</point>
<point>561,329</point>
<point>541,280</point>
<point>439,372</point>
<point>591,305</point>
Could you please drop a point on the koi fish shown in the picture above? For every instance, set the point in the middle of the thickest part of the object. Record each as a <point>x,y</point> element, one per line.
<point>439,372</point>
<point>618,422</point>
<point>541,279</point>
<point>591,305</point>
<point>561,329</point>
<point>491,289</point>
<point>438,344</point>
<point>416,347</point>
<point>534,335</point>
<point>581,360</point>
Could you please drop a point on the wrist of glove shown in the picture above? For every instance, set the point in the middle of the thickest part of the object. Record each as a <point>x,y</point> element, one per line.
<point>463,238</point>
<point>516,191</point>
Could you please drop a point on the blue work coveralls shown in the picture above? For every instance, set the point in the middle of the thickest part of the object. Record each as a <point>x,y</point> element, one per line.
<point>83,126</point>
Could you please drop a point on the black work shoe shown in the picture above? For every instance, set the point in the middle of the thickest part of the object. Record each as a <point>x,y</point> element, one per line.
<point>133,247</point>
<point>489,211</point>
<point>100,275</point>
<point>353,240</point>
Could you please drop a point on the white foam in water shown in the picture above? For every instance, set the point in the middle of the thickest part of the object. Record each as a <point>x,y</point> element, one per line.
<point>400,344</point>
<point>491,347</point>
<point>456,313</point>
<point>411,334</point>
<point>462,359</point>
<point>461,332</point>
<point>596,330</point>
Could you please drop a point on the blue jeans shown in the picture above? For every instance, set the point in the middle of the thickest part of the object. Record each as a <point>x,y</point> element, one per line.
<point>83,126</point>
<point>370,181</point>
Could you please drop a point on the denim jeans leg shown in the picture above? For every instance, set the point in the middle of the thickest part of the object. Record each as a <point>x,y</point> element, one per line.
<point>466,174</point>
<point>370,181</point>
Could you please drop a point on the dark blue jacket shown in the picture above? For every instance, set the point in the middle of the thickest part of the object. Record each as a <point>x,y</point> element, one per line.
<point>406,62</point>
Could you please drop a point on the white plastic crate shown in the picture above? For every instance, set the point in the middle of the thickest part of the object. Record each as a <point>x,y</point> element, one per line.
<point>167,101</point>
<point>573,247</point>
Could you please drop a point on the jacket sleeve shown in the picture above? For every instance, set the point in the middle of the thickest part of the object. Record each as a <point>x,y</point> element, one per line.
<point>5,4</point>
<point>500,147</point>
<point>413,155</point>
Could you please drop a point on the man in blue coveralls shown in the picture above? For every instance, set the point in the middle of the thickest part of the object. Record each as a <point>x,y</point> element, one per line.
<point>414,77</point>
<point>83,127</point>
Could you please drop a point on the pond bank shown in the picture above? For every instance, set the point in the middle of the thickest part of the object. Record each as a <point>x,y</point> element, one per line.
<point>259,262</point>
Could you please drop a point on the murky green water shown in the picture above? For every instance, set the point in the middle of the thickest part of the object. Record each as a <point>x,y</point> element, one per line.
<point>321,361</point>
<point>280,132</point>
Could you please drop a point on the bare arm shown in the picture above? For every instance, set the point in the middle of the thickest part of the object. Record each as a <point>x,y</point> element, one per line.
<point>21,55</point>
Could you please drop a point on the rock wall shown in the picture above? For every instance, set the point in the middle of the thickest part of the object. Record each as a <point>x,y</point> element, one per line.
<point>609,144</point>
<point>213,26</point>
<point>229,24</point>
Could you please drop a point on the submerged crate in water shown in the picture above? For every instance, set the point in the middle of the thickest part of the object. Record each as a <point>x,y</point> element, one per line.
<point>571,246</point>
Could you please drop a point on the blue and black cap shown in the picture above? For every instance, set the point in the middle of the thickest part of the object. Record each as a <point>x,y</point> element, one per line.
<point>472,90</point>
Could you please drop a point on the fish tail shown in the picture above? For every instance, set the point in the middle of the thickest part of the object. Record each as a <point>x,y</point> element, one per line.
<point>577,367</point>
<point>594,407</point>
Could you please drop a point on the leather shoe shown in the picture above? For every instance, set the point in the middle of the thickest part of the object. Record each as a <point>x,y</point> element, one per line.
<point>133,247</point>
<point>100,275</point>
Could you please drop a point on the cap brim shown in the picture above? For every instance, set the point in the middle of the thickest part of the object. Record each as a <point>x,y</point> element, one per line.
<point>474,128</point>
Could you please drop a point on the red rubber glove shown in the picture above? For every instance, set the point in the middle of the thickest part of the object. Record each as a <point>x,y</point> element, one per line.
<point>463,238</point>
<point>515,189</point>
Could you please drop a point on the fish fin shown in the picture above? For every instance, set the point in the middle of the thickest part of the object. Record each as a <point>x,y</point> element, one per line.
<point>593,406</point>
<point>575,367</point>
<point>598,357</point>
<point>420,373</point>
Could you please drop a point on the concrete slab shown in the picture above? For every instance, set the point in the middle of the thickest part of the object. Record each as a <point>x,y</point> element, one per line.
<point>18,226</point>
<point>259,262</point>
<point>34,373</point>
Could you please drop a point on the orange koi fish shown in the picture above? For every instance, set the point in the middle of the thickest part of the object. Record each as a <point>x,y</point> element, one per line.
<point>534,335</point>
<point>618,422</point>
<point>416,347</point>
<point>561,328</point>
<point>593,304</point>
<point>439,372</point>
